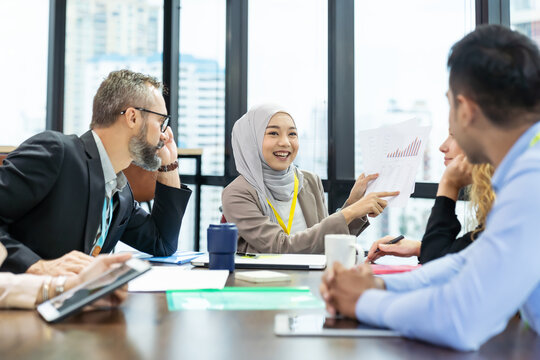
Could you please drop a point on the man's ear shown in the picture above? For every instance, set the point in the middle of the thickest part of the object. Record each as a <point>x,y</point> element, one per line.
<point>129,118</point>
<point>466,111</point>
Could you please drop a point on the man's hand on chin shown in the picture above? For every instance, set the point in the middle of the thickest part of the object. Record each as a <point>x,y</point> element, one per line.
<point>169,154</point>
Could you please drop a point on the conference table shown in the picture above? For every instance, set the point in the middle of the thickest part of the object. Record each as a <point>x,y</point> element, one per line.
<point>144,328</point>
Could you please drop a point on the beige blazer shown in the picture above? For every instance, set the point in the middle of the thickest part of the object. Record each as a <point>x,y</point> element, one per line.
<point>260,235</point>
<point>18,291</point>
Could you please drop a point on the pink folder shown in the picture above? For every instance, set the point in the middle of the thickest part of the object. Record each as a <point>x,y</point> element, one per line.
<point>392,269</point>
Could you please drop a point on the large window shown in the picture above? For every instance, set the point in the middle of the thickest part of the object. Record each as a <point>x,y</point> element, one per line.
<point>400,53</point>
<point>401,49</point>
<point>288,65</point>
<point>24,36</point>
<point>210,214</point>
<point>102,36</point>
<point>210,203</point>
<point>187,230</point>
<point>201,103</point>
<point>525,18</point>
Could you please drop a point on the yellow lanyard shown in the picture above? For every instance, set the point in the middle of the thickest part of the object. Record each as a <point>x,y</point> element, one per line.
<point>293,208</point>
<point>534,140</point>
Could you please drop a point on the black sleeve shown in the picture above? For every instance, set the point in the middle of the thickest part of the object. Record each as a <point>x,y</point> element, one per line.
<point>26,177</point>
<point>441,231</point>
<point>157,233</point>
<point>460,243</point>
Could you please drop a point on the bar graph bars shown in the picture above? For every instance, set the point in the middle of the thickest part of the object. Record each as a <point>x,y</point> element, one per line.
<point>411,150</point>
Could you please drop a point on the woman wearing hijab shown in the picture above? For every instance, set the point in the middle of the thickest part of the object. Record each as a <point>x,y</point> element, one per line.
<point>277,207</point>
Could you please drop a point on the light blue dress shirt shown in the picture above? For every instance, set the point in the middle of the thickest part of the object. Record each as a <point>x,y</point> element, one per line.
<point>463,299</point>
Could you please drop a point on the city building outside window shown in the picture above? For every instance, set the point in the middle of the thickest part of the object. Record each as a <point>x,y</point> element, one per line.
<point>201,105</point>
<point>24,39</point>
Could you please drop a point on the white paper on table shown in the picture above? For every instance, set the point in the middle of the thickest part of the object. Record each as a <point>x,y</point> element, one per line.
<point>164,278</point>
<point>395,153</point>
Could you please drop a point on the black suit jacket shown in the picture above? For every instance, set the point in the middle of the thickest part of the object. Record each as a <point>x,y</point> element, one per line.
<point>51,198</point>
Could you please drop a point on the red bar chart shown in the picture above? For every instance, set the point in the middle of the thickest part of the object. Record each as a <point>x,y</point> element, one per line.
<point>410,150</point>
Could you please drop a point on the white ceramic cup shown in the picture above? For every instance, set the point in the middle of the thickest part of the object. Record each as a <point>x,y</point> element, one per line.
<point>342,248</point>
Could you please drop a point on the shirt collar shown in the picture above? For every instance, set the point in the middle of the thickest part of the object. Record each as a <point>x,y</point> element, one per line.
<point>113,182</point>
<point>519,147</point>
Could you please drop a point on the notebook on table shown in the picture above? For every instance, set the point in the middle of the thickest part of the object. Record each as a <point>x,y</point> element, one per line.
<point>272,261</point>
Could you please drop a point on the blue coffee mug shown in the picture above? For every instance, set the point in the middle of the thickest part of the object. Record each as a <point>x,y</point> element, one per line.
<point>222,241</point>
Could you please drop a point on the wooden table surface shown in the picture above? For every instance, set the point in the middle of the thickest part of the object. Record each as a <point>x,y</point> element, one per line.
<point>144,328</point>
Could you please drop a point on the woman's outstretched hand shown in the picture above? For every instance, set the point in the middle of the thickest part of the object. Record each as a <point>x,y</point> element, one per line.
<point>359,188</point>
<point>371,205</point>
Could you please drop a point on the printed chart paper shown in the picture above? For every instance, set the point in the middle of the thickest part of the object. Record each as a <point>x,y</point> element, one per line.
<point>395,153</point>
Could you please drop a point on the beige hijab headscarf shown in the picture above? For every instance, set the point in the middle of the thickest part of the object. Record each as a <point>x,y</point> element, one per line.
<point>247,138</point>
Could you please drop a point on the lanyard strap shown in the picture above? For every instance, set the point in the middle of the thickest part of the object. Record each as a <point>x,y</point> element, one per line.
<point>534,140</point>
<point>107,212</point>
<point>291,213</point>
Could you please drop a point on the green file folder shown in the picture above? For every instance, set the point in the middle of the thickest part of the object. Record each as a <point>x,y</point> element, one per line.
<point>244,298</point>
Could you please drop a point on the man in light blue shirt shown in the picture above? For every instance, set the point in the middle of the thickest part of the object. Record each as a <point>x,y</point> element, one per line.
<point>463,299</point>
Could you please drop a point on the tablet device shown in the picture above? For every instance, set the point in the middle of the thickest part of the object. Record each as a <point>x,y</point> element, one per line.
<point>75,299</point>
<point>320,325</point>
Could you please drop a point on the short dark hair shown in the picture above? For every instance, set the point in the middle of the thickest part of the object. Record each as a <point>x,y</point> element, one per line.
<point>120,90</point>
<point>499,69</point>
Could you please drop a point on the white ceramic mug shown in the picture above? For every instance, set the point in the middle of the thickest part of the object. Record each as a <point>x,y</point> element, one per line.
<point>342,248</point>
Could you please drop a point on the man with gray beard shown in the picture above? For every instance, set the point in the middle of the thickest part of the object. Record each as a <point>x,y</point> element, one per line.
<point>64,198</point>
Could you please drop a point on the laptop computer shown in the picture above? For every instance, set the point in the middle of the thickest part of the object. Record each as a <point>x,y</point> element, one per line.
<point>272,261</point>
